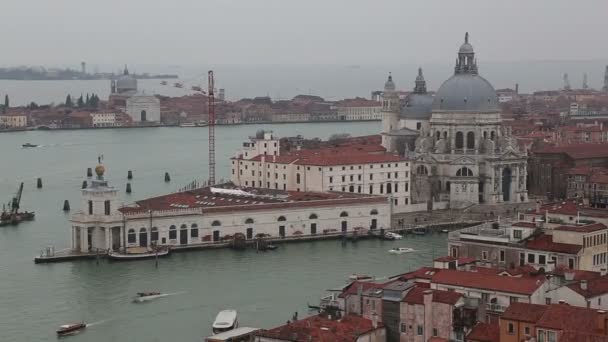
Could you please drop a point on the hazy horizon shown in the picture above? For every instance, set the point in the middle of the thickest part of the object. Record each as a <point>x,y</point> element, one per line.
<point>313,32</point>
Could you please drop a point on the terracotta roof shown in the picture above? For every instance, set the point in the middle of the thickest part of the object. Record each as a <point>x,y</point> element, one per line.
<point>571,208</point>
<point>484,332</point>
<point>595,287</point>
<point>209,200</point>
<point>524,224</point>
<point>524,285</point>
<point>583,229</point>
<point>600,178</point>
<point>416,296</point>
<point>578,151</point>
<point>421,273</point>
<point>545,242</point>
<point>568,318</point>
<point>560,270</point>
<point>571,336</point>
<point>524,312</point>
<point>437,339</point>
<point>321,329</point>
<point>353,287</point>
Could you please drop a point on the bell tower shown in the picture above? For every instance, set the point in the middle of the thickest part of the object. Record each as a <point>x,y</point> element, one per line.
<point>390,109</point>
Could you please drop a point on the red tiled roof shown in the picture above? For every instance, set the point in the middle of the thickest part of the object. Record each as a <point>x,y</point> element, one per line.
<point>560,270</point>
<point>210,201</point>
<point>484,332</point>
<point>524,224</point>
<point>571,208</point>
<point>568,318</point>
<point>599,178</point>
<point>595,287</point>
<point>524,312</point>
<point>571,336</point>
<point>437,339</point>
<point>545,242</point>
<point>578,151</point>
<point>321,329</point>
<point>583,229</point>
<point>524,285</point>
<point>421,273</point>
<point>416,296</point>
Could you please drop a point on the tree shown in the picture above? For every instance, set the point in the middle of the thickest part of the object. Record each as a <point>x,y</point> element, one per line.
<point>6,102</point>
<point>80,102</point>
<point>68,101</point>
<point>33,105</point>
<point>87,102</point>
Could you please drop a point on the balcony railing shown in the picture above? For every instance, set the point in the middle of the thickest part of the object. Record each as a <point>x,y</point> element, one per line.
<point>495,307</point>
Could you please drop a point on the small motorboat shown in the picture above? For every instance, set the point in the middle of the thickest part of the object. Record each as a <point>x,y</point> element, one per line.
<point>400,250</point>
<point>419,231</point>
<point>69,329</point>
<point>145,296</point>
<point>224,321</point>
<point>445,230</point>
<point>29,145</point>
<point>163,82</point>
<point>271,247</point>
<point>392,236</point>
<point>354,277</point>
<point>138,253</point>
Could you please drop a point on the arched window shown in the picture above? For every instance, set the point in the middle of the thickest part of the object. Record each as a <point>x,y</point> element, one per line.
<point>447,186</point>
<point>131,236</point>
<point>281,219</point>
<point>172,233</point>
<point>142,230</point>
<point>459,140</point>
<point>249,221</point>
<point>470,140</point>
<point>464,172</point>
<point>445,134</point>
<point>373,212</point>
<point>389,188</point>
<point>421,170</point>
<point>194,230</point>
<point>351,188</point>
<point>313,217</point>
<point>154,234</point>
<point>492,135</point>
<point>438,134</point>
<point>344,214</point>
<point>216,223</point>
<point>184,226</point>
<point>485,135</point>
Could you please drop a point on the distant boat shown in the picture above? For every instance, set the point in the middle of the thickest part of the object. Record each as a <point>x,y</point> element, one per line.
<point>178,85</point>
<point>69,329</point>
<point>354,277</point>
<point>197,88</point>
<point>419,231</point>
<point>392,236</point>
<point>163,82</point>
<point>146,296</point>
<point>224,321</point>
<point>29,145</point>
<point>400,250</point>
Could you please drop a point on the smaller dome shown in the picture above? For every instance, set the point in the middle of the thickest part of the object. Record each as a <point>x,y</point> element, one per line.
<point>466,48</point>
<point>389,85</point>
<point>99,170</point>
<point>417,107</point>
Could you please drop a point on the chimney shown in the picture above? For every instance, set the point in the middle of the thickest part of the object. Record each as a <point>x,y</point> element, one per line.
<point>583,285</point>
<point>427,298</point>
<point>601,320</point>
<point>603,272</point>
<point>516,88</point>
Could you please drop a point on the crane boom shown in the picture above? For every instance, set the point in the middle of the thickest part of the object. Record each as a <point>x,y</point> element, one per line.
<point>211,100</point>
<point>17,199</point>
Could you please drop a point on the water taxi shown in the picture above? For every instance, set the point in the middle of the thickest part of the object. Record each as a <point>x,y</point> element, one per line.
<point>224,321</point>
<point>400,250</point>
<point>69,329</point>
<point>392,236</point>
<point>138,253</point>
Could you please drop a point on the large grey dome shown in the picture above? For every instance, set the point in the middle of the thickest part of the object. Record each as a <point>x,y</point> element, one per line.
<point>417,107</point>
<point>126,82</point>
<point>466,92</point>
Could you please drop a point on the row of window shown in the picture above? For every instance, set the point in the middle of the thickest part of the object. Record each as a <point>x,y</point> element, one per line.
<point>599,259</point>
<point>595,240</point>
<point>390,188</point>
<point>106,207</point>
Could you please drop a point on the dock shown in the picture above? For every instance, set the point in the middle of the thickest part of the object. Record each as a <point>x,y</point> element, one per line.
<point>51,256</point>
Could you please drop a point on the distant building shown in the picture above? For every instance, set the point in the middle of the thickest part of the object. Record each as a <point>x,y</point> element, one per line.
<point>143,108</point>
<point>358,109</point>
<point>103,119</point>
<point>13,120</point>
<point>122,88</point>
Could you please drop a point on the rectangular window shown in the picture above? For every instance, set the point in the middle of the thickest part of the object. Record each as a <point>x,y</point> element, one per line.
<point>484,255</point>
<point>403,328</point>
<point>434,331</point>
<point>331,179</point>
<point>358,177</point>
<point>571,263</point>
<point>531,258</point>
<point>541,336</point>
<point>106,206</point>
<point>297,178</point>
<point>527,330</point>
<point>90,207</point>
<point>344,178</point>
<point>351,178</point>
<point>542,259</point>
<point>511,329</point>
<point>502,256</point>
<point>388,175</point>
<point>551,336</point>
<point>194,232</point>
<point>396,187</point>
<point>371,189</point>
<point>371,176</point>
<point>517,234</point>
<point>522,259</point>
<point>419,330</point>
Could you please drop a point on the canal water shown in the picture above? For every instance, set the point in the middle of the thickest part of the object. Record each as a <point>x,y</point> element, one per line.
<point>265,288</point>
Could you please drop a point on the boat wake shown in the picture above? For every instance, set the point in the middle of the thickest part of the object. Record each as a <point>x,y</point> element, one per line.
<point>149,298</point>
<point>96,323</point>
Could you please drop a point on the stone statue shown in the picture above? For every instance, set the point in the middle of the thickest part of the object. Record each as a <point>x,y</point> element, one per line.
<point>441,146</point>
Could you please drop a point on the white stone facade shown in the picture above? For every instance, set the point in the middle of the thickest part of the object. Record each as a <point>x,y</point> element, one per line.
<point>359,113</point>
<point>143,108</point>
<point>13,121</point>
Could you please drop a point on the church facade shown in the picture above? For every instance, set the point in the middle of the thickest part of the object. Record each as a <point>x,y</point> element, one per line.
<point>462,153</point>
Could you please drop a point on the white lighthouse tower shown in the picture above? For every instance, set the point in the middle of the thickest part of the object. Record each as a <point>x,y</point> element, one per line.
<point>97,226</point>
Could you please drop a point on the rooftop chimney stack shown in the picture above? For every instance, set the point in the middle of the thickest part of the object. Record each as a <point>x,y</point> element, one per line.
<point>583,285</point>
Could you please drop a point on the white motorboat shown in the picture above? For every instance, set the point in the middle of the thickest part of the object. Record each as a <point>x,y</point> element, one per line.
<point>224,321</point>
<point>354,277</point>
<point>400,250</point>
<point>392,236</point>
<point>138,253</point>
<point>70,329</point>
<point>146,296</point>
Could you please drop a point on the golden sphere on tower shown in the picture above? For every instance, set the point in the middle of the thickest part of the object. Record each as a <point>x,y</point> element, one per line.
<point>99,170</point>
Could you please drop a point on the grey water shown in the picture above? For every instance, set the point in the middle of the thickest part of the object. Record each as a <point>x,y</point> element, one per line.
<point>265,288</point>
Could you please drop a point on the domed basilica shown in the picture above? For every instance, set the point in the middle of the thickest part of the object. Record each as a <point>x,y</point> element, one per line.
<point>462,153</point>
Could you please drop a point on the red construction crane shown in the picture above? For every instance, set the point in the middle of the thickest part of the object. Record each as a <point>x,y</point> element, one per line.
<point>211,99</point>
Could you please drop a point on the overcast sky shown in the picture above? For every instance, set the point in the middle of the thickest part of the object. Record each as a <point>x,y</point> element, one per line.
<point>190,32</point>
